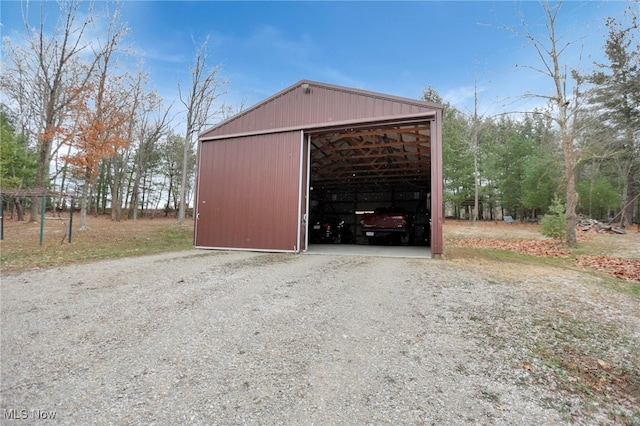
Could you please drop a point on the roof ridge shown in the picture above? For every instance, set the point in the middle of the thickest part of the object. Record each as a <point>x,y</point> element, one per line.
<point>312,83</point>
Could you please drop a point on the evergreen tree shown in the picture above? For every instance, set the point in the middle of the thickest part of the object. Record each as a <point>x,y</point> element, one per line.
<point>615,97</point>
<point>17,161</point>
<point>542,167</point>
<point>457,157</point>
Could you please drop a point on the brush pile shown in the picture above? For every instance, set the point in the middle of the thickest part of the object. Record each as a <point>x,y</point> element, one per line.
<point>592,225</point>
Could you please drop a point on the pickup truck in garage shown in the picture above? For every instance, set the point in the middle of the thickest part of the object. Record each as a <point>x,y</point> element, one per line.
<point>386,226</point>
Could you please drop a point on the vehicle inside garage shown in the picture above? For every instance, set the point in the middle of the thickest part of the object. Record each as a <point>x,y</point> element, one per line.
<point>371,185</point>
<point>318,163</point>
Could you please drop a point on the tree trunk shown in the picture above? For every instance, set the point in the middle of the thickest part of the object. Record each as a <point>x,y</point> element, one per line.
<point>571,195</point>
<point>84,201</point>
<point>116,201</point>
<point>19,210</point>
<point>134,201</point>
<point>169,195</point>
<point>625,201</point>
<point>629,209</point>
<point>159,200</point>
<point>568,149</point>
<point>183,183</point>
<point>42,175</point>
<point>476,172</point>
<point>628,193</point>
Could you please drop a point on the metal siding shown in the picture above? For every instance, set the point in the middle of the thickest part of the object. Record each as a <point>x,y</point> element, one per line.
<point>323,104</point>
<point>437,212</point>
<point>249,192</point>
<point>303,190</point>
<point>254,179</point>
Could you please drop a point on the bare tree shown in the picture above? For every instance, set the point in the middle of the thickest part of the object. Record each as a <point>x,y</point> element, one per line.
<point>107,103</point>
<point>40,74</point>
<point>199,103</point>
<point>118,164</point>
<point>475,129</point>
<point>49,75</point>
<point>563,110</point>
<point>101,111</point>
<point>171,151</point>
<point>148,135</point>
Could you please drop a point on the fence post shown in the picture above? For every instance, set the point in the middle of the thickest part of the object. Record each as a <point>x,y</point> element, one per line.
<point>42,211</point>
<point>1,218</point>
<point>71,219</point>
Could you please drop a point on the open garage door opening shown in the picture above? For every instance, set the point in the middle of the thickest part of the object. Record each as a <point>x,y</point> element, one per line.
<point>309,164</point>
<point>371,185</point>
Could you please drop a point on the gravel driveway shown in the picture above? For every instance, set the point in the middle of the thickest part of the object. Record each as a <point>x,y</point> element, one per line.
<point>216,337</point>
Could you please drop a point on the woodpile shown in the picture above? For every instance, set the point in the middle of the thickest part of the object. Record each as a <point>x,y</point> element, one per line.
<point>592,225</point>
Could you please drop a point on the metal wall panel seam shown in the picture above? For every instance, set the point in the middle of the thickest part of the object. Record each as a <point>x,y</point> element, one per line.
<point>437,242</point>
<point>301,169</point>
<point>308,160</point>
<point>197,196</point>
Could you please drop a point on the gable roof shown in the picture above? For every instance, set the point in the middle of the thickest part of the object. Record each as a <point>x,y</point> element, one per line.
<point>308,104</point>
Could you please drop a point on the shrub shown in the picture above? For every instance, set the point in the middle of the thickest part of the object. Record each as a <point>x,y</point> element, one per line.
<point>554,224</point>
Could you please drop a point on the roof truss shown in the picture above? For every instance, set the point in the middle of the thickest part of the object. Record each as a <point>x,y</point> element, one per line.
<point>398,156</point>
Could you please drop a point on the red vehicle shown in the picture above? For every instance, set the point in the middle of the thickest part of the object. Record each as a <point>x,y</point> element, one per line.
<point>386,225</point>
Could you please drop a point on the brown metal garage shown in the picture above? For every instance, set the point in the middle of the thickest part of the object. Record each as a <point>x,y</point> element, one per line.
<point>263,173</point>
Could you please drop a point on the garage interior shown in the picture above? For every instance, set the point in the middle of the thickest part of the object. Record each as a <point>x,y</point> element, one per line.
<point>314,153</point>
<point>358,170</point>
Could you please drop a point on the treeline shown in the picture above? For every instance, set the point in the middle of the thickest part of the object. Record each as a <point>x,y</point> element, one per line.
<point>148,176</point>
<point>79,121</point>
<point>520,169</point>
<point>520,164</point>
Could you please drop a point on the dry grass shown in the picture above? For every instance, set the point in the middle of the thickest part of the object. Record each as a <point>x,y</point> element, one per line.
<point>615,255</point>
<point>104,238</point>
<point>591,363</point>
<point>579,356</point>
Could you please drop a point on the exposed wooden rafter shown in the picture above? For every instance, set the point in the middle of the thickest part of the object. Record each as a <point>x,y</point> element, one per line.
<point>369,158</point>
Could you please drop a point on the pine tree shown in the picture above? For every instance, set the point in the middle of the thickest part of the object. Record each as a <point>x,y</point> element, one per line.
<point>616,98</point>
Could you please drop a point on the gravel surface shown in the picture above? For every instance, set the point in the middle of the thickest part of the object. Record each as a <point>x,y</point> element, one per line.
<point>217,337</point>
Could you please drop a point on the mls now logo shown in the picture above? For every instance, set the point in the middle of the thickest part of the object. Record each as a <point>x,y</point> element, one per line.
<point>23,414</point>
<point>15,414</point>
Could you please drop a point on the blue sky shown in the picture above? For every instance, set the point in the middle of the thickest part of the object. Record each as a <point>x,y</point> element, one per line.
<point>398,48</point>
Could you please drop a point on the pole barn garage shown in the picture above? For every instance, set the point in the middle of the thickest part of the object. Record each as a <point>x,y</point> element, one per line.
<point>268,175</point>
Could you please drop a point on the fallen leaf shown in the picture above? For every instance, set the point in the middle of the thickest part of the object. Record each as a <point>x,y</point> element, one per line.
<point>626,269</point>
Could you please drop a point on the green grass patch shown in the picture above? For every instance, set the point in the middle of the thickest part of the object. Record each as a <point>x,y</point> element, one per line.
<point>631,288</point>
<point>500,255</point>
